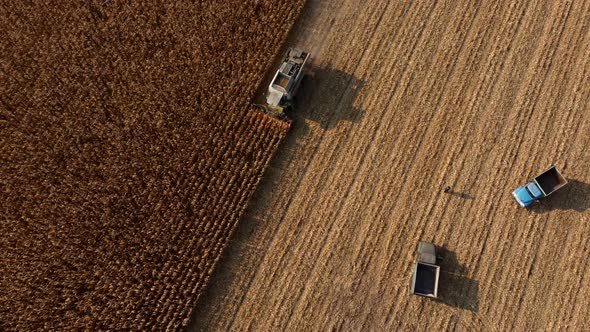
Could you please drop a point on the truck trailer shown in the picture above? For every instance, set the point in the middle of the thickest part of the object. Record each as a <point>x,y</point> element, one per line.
<point>426,272</point>
<point>541,186</point>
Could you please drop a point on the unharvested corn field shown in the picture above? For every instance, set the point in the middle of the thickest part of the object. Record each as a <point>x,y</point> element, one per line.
<point>407,98</point>
<point>128,152</point>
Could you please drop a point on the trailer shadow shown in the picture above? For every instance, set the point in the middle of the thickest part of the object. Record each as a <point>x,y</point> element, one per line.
<point>574,196</point>
<point>327,96</point>
<point>455,288</point>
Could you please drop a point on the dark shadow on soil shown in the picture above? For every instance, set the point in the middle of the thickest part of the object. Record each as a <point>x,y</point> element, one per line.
<point>326,96</point>
<point>460,195</point>
<point>574,196</point>
<point>455,288</point>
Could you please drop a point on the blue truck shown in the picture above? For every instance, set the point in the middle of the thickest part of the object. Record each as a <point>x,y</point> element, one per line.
<point>541,186</point>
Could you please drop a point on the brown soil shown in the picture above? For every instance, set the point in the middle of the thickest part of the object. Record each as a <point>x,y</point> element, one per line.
<point>128,153</point>
<point>406,99</point>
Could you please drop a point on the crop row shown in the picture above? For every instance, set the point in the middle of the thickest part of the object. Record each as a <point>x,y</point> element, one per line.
<point>129,153</point>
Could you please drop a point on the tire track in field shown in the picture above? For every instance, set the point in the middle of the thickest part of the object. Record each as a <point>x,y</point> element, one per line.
<point>510,136</point>
<point>484,122</point>
<point>471,228</point>
<point>563,296</point>
<point>458,95</point>
<point>468,124</point>
<point>561,89</point>
<point>284,252</point>
<point>288,199</point>
<point>487,186</point>
<point>581,299</point>
<point>544,62</point>
<point>355,285</point>
<point>579,170</point>
<point>386,75</point>
<point>500,49</point>
<point>583,239</point>
<point>379,163</point>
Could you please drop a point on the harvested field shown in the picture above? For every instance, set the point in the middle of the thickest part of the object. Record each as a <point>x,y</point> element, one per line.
<point>128,153</point>
<point>408,98</point>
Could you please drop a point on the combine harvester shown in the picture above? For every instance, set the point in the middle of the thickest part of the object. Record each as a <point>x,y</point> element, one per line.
<point>541,186</point>
<point>285,83</point>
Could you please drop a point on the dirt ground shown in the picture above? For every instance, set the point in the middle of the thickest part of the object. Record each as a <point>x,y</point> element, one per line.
<point>405,99</point>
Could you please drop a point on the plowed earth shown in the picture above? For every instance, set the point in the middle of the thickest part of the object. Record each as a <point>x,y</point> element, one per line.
<point>128,153</point>
<point>408,98</point>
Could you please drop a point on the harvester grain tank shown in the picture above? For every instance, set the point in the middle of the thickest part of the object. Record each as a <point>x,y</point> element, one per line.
<point>541,186</point>
<point>285,82</point>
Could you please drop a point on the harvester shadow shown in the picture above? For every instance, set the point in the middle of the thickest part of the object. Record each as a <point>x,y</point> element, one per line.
<point>574,196</point>
<point>455,288</point>
<point>327,96</point>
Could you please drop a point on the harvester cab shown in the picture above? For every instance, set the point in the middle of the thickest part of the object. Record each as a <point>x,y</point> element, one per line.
<point>285,82</point>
